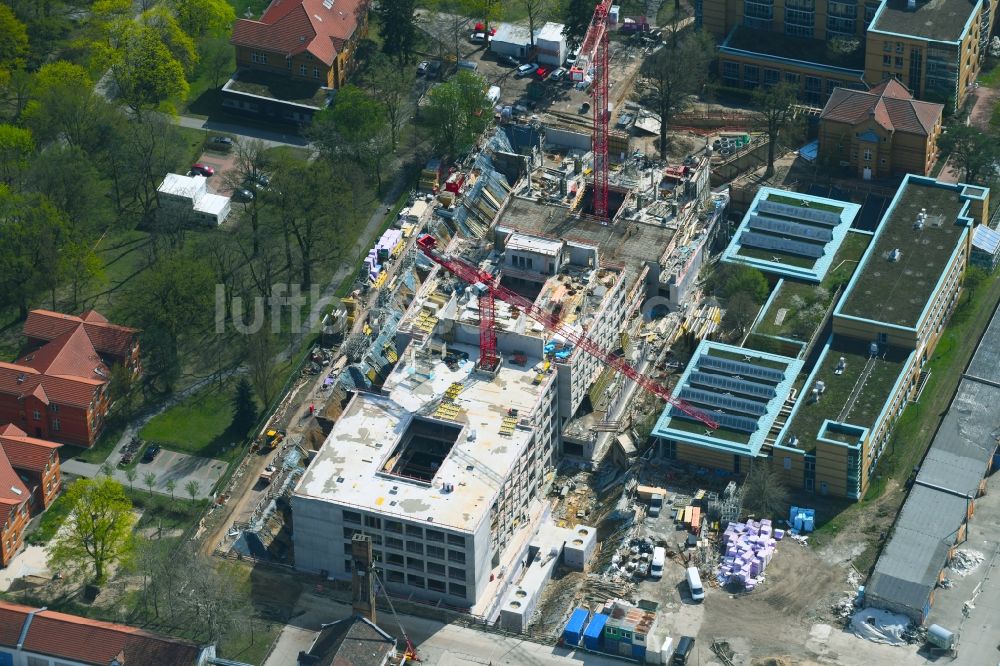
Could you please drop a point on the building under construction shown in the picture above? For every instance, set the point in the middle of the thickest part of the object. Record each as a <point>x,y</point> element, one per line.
<point>448,464</point>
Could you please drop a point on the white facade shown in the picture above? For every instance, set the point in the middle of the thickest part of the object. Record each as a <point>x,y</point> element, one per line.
<point>512,40</point>
<point>550,45</point>
<point>184,198</point>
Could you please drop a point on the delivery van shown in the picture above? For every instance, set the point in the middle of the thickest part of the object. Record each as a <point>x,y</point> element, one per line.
<point>694,584</point>
<point>659,559</point>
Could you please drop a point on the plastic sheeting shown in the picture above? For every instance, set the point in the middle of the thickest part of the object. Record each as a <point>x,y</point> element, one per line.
<point>880,626</point>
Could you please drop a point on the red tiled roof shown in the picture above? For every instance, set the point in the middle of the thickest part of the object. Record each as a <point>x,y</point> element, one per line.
<point>25,452</point>
<point>69,355</point>
<point>92,641</point>
<point>70,391</point>
<point>12,489</point>
<point>290,27</point>
<point>889,103</point>
<point>106,338</point>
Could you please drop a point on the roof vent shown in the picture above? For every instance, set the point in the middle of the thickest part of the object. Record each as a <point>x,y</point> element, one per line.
<point>895,255</point>
<point>21,378</point>
<point>328,4</point>
<point>16,490</point>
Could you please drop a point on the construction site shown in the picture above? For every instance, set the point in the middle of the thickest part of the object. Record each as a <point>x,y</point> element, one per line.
<point>532,413</point>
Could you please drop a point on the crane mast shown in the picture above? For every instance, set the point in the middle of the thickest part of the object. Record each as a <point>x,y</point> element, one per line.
<point>485,285</point>
<point>594,52</point>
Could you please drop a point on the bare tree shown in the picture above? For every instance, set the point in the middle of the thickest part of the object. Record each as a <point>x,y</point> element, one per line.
<point>248,173</point>
<point>537,12</point>
<point>259,356</point>
<point>774,110</point>
<point>392,85</point>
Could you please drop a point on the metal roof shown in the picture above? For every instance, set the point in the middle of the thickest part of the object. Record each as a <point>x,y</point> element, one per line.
<point>908,569</point>
<point>985,239</point>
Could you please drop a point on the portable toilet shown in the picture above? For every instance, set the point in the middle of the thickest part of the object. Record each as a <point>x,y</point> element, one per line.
<point>940,637</point>
<point>574,628</point>
<point>592,635</point>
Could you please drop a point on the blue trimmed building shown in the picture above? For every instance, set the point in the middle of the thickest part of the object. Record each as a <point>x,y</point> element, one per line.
<point>791,235</point>
<point>824,428</point>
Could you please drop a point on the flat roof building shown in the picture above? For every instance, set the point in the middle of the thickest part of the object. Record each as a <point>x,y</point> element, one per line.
<point>790,234</point>
<point>186,198</point>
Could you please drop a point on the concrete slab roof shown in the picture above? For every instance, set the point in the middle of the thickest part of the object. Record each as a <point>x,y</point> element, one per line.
<point>348,469</point>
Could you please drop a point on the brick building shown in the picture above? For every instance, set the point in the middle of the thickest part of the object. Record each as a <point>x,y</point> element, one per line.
<point>58,388</point>
<point>30,480</point>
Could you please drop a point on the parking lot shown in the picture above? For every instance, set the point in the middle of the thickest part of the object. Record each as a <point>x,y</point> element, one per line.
<point>180,468</point>
<point>222,162</point>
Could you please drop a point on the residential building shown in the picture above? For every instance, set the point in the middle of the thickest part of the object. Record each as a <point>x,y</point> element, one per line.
<point>186,199</point>
<point>303,40</point>
<point>36,462</point>
<point>353,641</point>
<point>59,390</point>
<point>32,636</point>
<point>15,511</point>
<point>934,48</point>
<point>880,131</point>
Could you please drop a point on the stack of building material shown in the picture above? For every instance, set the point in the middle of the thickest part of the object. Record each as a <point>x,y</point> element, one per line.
<point>802,519</point>
<point>749,548</point>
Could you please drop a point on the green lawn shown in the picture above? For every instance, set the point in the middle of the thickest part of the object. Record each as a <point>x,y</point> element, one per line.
<point>101,449</point>
<point>199,425</point>
<point>803,203</point>
<point>158,510</point>
<point>776,256</point>
<point>990,74</point>
<point>50,522</point>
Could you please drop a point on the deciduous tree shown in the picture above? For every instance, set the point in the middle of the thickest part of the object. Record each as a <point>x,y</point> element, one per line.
<point>398,28</point>
<point>765,492</point>
<point>98,532</point>
<point>179,43</point>
<point>144,69</point>
<point>16,146</point>
<point>537,12</point>
<point>13,39</point>
<point>32,231</point>
<point>674,73</point>
<point>458,113</point>
<point>971,150</point>
<point>576,17</point>
<point>354,127</point>
<point>203,17</point>
<point>63,106</point>
<point>392,86</point>
<point>773,107</point>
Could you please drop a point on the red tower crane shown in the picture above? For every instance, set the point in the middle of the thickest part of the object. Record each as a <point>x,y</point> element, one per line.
<point>488,289</point>
<point>594,52</point>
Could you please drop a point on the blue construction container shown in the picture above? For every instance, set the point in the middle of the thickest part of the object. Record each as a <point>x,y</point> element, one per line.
<point>592,635</point>
<point>639,652</point>
<point>574,628</point>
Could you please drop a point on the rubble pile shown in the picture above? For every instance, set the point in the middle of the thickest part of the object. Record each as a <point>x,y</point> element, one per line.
<point>749,548</point>
<point>965,562</point>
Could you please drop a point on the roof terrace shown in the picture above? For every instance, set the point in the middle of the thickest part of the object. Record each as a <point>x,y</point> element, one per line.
<point>903,266</point>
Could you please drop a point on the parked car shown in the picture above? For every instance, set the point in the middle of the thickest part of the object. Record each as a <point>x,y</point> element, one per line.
<point>422,67</point>
<point>572,57</point>
<point>242,195</point>
<point>542,72</point>
<point>478,38</point>
<point>202,169</point>
<point>468,65</point>
<point>261,180</point>
<point>150,454</point>
<point>221,142</point>
<point>433,69</point>
<point>559,74</point>
<point>526,69</point>
<point>509,60</point>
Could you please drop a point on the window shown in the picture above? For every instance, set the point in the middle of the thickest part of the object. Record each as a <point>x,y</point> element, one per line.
<point>886,60</point>
<point>899,47</point>
<point>456,557</point>
<point>457,590</point>
<point>347,549</point>
<point>393,542</point>
<point>394,559</point>
<point>394,576</point>
<point>414,532</point>
<point>751,76</point>
<point>456,574</point>
<point>394,526</point>
<point>771,77</point>
<point>730,73</point>
<point>435,535</point>
<point>788,462</point>
<point>415,547</point>
<point>792,78</point>
<point>435,568</point>
<point>455,540</point>
<point>436,585</point>
<point>373,522</point>
<point>37,415</point>
<point>435,551</point>
<point>899,62</point>
<point>54,409</point>
<point>349,532</point>
<point>56,425</point>
<point>37,661</point>
<point>352,517</point>
<point>415,581</point>
<point>258,57</point>
<point>414,564</point>
<point>315,73</point>
<point>868,154</point>
<point>887,47</point>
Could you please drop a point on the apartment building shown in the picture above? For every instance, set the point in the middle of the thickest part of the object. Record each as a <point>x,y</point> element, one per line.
<point>934,48</point>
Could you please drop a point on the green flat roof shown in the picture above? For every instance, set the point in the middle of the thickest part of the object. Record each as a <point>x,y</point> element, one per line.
<point>776,44</point>
<point>835,404</point>
<point>937,20</point>
<point>280,88</point>
<point>896,292</point>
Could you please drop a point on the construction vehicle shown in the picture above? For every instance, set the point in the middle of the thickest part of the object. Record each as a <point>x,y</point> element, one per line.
<point>271,439</point>
<point>268,474</point>
<point>487,288</point>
